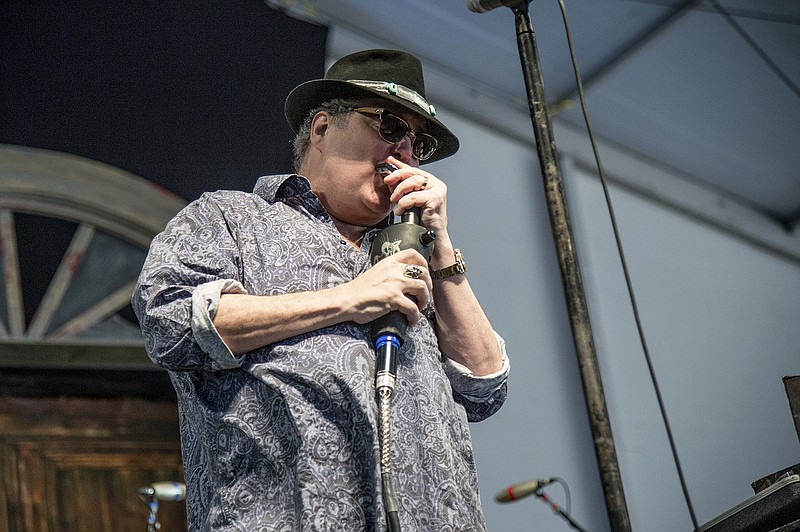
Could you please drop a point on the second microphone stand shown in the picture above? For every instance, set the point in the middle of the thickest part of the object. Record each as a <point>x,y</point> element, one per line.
<point>570,273</point>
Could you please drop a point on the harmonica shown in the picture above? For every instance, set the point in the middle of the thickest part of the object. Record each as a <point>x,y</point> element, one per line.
<point>385,169</point>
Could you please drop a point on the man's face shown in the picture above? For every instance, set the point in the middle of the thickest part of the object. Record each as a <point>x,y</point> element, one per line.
<point>352,190</point>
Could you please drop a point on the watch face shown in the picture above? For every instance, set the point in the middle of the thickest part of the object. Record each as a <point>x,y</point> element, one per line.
<point>461,266</point>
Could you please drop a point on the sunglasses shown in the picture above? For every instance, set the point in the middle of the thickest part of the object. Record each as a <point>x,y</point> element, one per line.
<point>393,129</point>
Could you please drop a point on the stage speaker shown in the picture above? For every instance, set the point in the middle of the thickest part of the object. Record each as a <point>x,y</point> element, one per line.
<point>774,509</point>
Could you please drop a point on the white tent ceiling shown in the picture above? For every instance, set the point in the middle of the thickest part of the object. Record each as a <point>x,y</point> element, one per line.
<point>705,90</point>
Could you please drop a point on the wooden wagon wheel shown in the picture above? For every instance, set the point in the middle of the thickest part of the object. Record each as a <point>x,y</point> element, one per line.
<point>115,214</point>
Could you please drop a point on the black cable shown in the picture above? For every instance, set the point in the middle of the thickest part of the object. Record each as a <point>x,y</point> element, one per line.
<point>567,496</point>
<point>565,514</point>
<point>628,282</point>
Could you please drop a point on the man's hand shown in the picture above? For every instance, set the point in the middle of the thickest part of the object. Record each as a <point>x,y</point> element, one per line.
<point>386,287</point>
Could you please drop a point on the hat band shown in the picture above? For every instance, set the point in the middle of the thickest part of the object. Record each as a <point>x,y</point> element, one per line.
<point>397,90</point>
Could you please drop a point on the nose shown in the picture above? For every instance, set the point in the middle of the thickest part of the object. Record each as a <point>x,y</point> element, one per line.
<point>402,150</point>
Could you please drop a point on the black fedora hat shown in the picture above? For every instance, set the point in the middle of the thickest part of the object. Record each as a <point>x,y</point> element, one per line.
<point>388,74</point>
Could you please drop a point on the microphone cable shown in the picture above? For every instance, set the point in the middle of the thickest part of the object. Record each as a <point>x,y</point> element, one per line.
<point>385,441</point>
<point>628,282</point>
<point>567,495</point>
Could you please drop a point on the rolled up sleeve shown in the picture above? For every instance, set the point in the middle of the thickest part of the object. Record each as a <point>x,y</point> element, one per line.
<point>483,395</point>
<point>189,265</point>
<point>205,302</point>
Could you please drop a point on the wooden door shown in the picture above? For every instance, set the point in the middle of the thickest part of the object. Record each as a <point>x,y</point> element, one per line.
<point>76,464</point>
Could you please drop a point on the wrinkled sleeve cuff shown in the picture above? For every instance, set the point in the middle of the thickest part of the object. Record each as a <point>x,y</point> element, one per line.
<point>205,301</point>
<point>478,389</point>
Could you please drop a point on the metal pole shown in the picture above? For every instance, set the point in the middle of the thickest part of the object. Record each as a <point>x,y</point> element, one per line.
<point>571,277</point>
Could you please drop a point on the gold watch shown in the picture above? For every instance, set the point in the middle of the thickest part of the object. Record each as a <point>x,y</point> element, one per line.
<point>458,268</point>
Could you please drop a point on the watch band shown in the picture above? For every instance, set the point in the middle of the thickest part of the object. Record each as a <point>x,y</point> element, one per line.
<point>455,269</point>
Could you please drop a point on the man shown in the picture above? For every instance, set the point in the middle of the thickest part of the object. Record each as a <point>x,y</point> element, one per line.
<point>259,305</point>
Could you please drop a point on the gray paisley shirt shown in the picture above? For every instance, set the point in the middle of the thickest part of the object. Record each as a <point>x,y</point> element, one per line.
<point>284,438</point>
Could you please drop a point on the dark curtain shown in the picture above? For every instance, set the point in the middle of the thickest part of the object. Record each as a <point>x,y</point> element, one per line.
<point>186,94</point>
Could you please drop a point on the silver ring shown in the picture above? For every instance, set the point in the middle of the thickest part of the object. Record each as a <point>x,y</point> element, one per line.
<point>413,271</point>
<point>424,184</point>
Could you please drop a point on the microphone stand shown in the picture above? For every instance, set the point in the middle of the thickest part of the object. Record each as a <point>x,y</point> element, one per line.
<point>542,496</point>
<point>152,504</point>
<point>570,273</point>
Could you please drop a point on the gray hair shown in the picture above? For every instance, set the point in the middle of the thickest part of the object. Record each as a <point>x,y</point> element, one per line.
<point>337,108</point>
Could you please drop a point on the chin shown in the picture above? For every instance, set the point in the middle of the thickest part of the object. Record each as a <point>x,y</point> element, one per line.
<point>380,210</point>
<point>381,200</point>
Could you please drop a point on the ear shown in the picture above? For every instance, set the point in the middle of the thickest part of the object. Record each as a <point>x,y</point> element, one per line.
<point>320,125</point>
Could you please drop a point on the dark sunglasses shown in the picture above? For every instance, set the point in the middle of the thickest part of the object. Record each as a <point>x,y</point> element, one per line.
<point>393,129</point>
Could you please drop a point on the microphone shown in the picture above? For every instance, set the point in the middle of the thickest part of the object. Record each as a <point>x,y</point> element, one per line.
<point>165,491</point>
<point>523,489</point>
<point>482,6</point>
<point>388,331</point>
